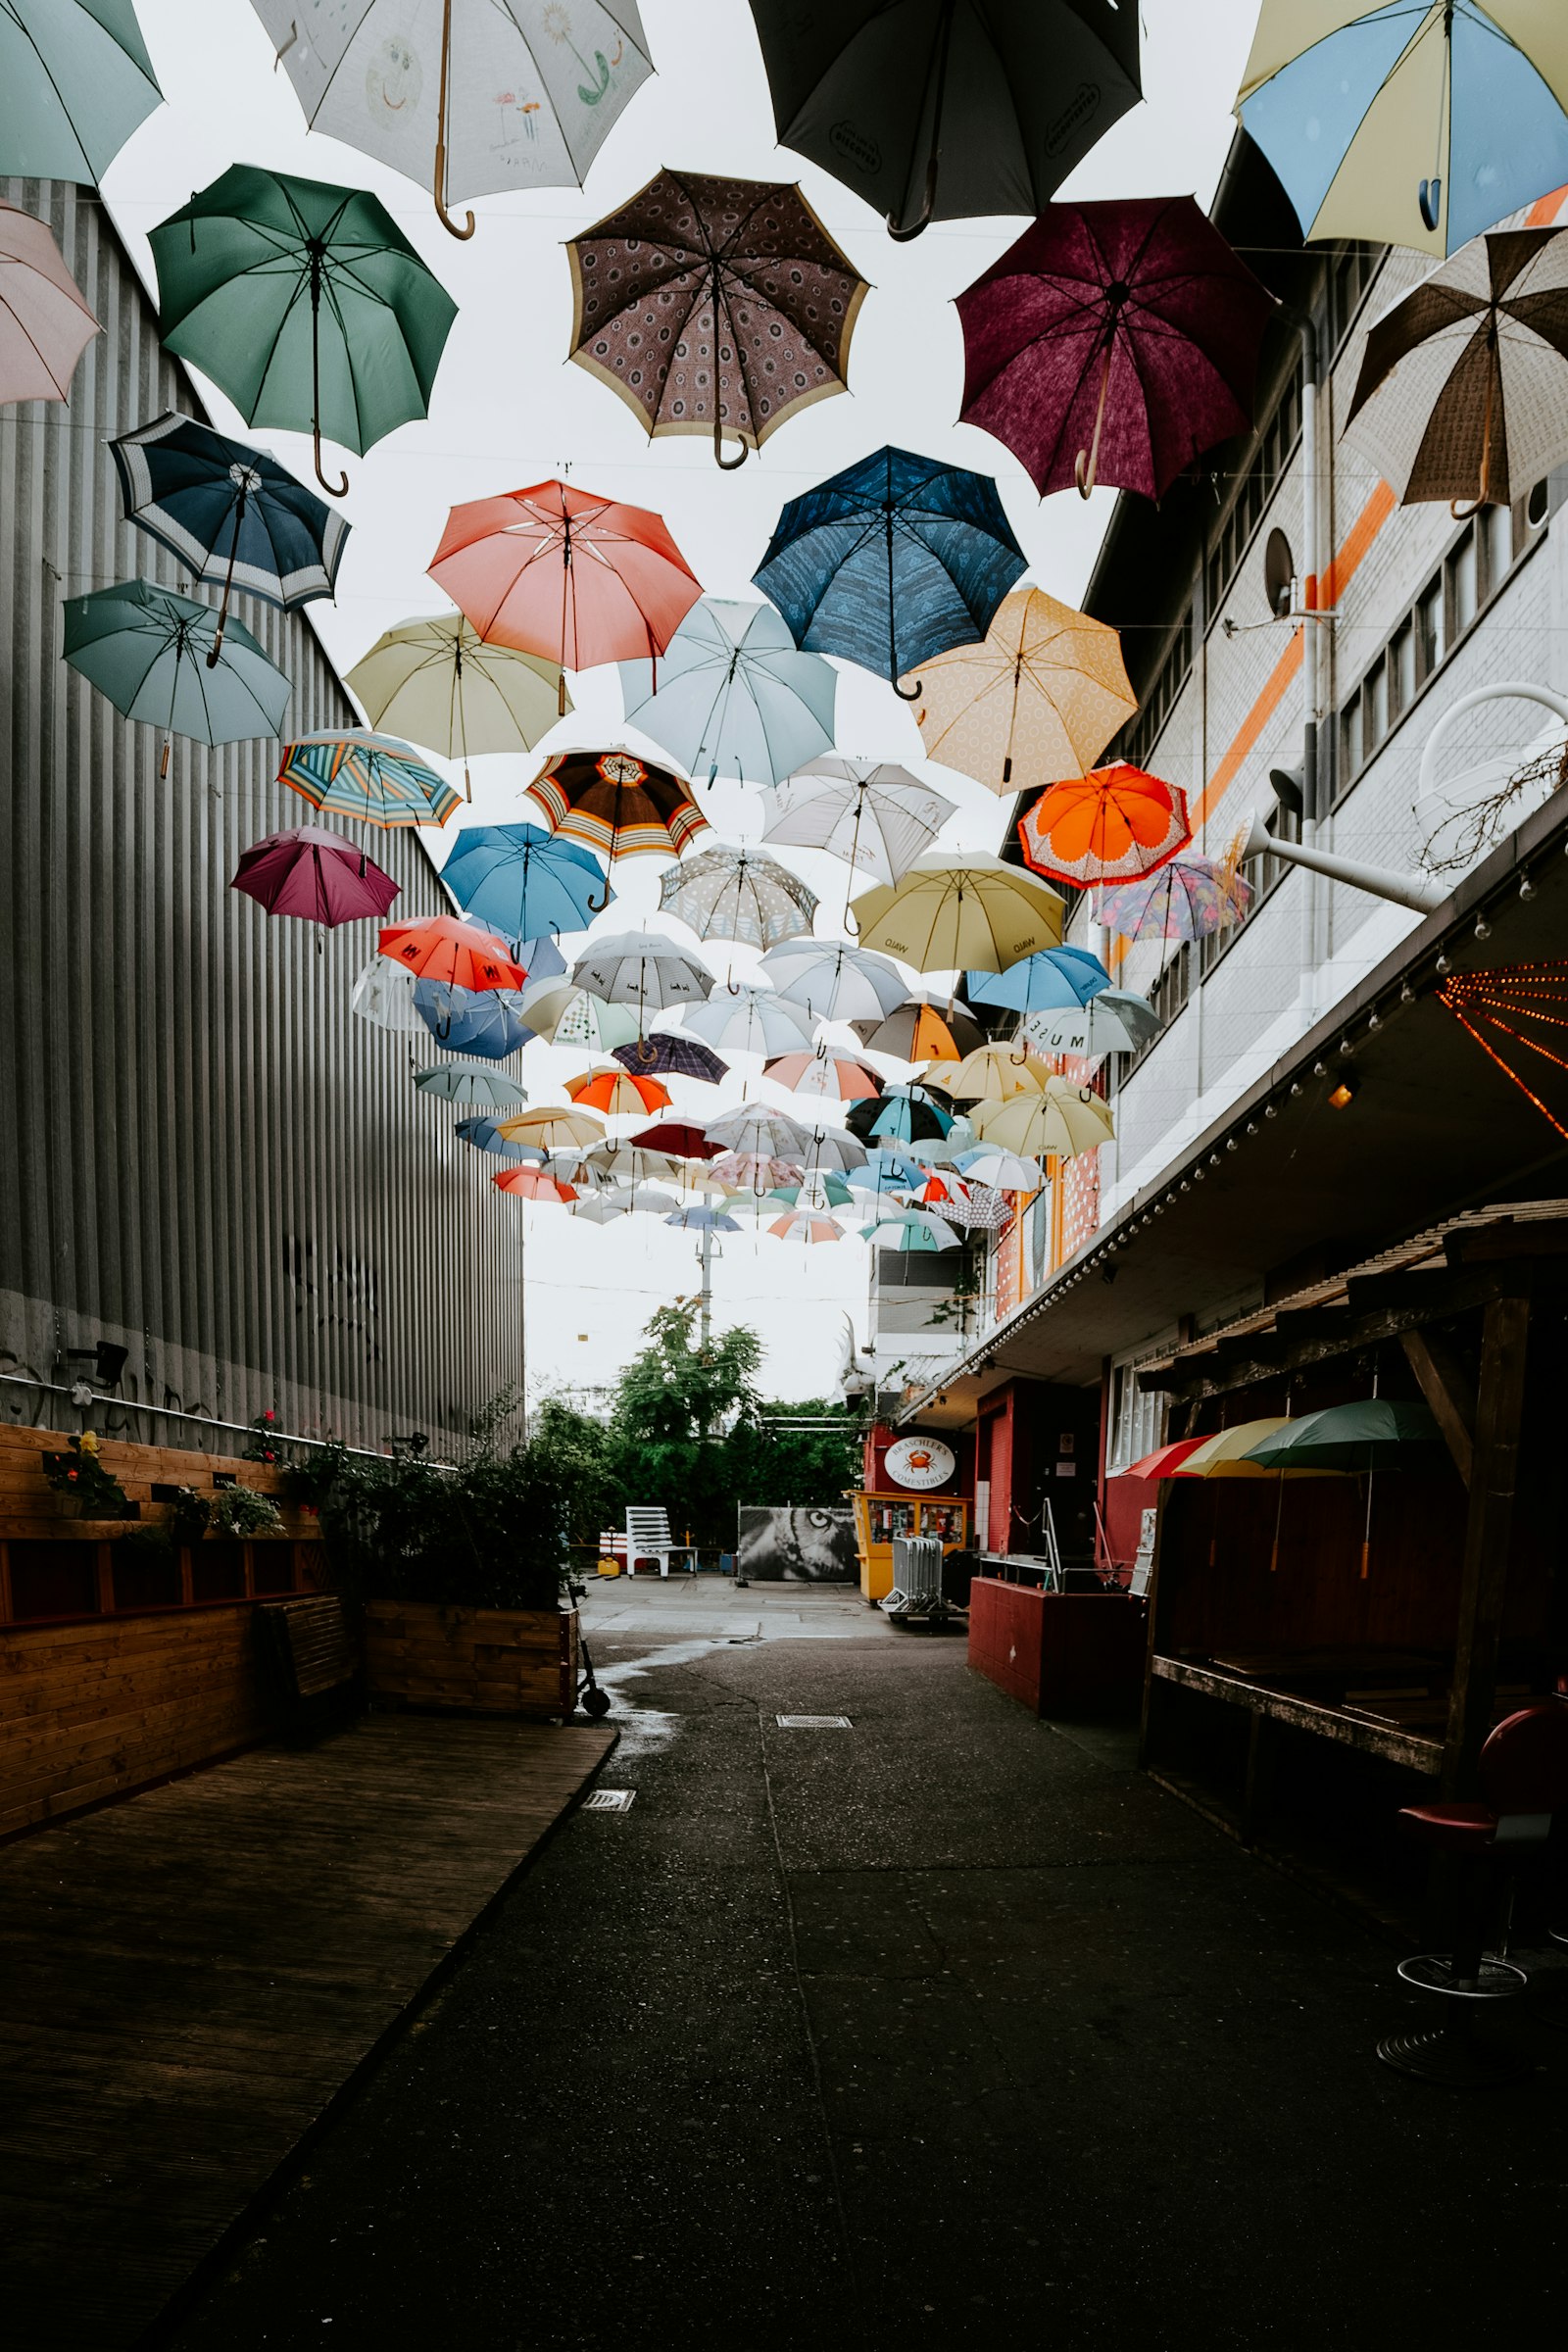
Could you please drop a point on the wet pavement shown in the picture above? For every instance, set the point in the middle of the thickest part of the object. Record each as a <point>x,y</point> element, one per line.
<point>943,2028</point>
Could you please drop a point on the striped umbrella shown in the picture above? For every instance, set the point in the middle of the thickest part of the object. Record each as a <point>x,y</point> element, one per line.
<point>373,777</point>
<point>617,803</point>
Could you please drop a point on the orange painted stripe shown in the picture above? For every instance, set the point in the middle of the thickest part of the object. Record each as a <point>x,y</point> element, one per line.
<point>1358,540</point>
<point>1543,212</point>
<point>1252,726</point>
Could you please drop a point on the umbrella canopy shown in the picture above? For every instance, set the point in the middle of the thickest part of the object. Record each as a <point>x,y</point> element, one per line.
<point>757,1172</point>
<point>830,1151</point>
<point>462,1021</point>
<point>1113,1021</point>
<point>912,1230</point>
<point>996,1073</point>
<point>436,681</point>
<point>232,515</point>
<point>1166,1461</point>
<point>444,950</point>
<point>731,893</point>
<point>644,968</point>
<point>817,1190</point>
<point>973,1208</point>
<point>557,1130</point>
<point>373,777</point>
<point>805,1225</point>
<point>541,958</point>
<point>697,1218</point>
<point>617,1093</point>
<point>75,80</point>
<point>527,1183</point>
<point>45,325</point>
<point>734,694</point>
<point>918,1031</point>
<point>871,813</point>
<point>617,803</point>
<point>1109,826</point>
<point>1186,897</point>
<point>146,649</point>
<point>476,1090</point>
<point>833,983</point>
<point>1053,980</point>
<point>675,1139</point>
<point>1001,1171</point>
<point>713,306</point>
<point>894,559</point>
<point>749,1020</point>
<point>484,1136</point>
<point>824,1077</point>
<point>884,1172</point>
<point>626,1163</point>
<point>1463,389</point>
<point>650,1198</point>
<point>669,1056</point>
<point>1377,1432</point>
<point>1226,1454</point>
<point>524,882</point>
<point>306,303</point>
<point>958,910</point>
<point>1060,1121</point>
<point>752,1128</point>
<point>535,89</point>
<point>1418,125</point>
<point>904,1116</point>
<point>1041,696</point>
<point>939,114</point>
<point>1113,342</point>
<point>383,993</point>
<point>316,874</point>
<point>569,1017</point>
<point>557,571</point>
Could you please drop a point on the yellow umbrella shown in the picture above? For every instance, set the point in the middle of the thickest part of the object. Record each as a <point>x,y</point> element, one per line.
<point>552,1130</point>
<point>960,910</point>
<point>1061,1120</point>
<point>994,1074</point>
<point>438,683</point>
<point>1037,699</point>
<point>1222,1456</point>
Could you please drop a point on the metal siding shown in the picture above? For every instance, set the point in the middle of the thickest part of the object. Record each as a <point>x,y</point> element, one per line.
<point>205,1157</point>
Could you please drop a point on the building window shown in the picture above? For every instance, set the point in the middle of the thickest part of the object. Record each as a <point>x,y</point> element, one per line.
<point>1270,454</point>
<point>1159,698</point>
<point>1136,1419</point>
<point>1349,273</point>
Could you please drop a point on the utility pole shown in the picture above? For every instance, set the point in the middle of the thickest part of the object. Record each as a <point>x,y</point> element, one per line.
<point>705,1258</point>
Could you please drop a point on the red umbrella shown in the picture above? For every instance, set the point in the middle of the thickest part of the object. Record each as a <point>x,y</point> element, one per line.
<point>316,874</point>
<point>1113,342</point>
<point>533,1184</point>
<point>1165,1461</point>
<point>558,571</point>
<point>680,1142</point>
<point>1109,826</point>
<point>445,950</point>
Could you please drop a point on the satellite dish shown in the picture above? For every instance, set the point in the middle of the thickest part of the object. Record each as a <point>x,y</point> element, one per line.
<point>1279,573</point>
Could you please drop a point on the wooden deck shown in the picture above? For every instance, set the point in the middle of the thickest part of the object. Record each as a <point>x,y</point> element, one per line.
<point>187,1979</point>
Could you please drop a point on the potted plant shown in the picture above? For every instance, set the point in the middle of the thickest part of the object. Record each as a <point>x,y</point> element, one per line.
<point>241,1512</point>
<point>87,1491</point>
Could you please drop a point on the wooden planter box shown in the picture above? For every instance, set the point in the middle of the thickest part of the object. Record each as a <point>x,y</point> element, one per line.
<point>472,1661</point>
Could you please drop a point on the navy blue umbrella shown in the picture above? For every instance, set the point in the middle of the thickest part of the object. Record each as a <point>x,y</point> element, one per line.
<point>466,1020</point>
<point>890,563</point>
<point>231,513</point>
<point>663,1055</point>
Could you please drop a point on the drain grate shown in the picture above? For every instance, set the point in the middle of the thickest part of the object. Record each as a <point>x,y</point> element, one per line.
<point>609,1800</point>
<point>814,1723</point>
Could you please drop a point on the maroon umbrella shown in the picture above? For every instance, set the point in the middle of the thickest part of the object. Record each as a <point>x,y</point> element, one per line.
<point>681,1142</point>
<point>1113,342</point>
<point>321,876</point>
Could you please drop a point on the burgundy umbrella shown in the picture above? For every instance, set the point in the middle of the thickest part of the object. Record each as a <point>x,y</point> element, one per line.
<point>322,877</point>
<point>665,1056</point>
<point>680,1142</point>
<point>1113,342</point>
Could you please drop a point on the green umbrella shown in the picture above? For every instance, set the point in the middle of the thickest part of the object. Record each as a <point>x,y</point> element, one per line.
<point>75,79</point>
<point>306,303</point>
<point>146,649</point>
<point>1374,1434</point>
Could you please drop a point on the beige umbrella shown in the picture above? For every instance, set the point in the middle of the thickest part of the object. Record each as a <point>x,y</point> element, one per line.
<point>1061,1120</point>
<point>1036,701</point>
<point>960,910</point>
<point>438,683</point>
<point>553,1130</point>
<point>996,1073</point>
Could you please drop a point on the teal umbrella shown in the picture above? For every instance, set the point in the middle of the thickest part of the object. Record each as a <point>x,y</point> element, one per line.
<point>147,650</point>
<point>75,79</point>
<point>1377,1434</point>
<point>306,303</point>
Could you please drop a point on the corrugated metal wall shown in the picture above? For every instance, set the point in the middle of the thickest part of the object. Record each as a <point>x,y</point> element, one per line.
<point>204,1154</point>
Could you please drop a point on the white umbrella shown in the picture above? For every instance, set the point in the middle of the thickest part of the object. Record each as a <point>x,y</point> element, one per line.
<point>383,993</point>
<point>734,894</point>
<point>871,813</point>
<point>645,968</point>
<point>748,1020</point>
<point>567,1015</point>
<point>834,983</point>
<point>733,691</point>
<point>1003,1171</point>
<point>752,1128</point>
<point>832,1151</point>
<point>1115,1021</point>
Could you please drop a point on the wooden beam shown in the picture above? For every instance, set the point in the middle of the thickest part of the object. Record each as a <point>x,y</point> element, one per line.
<point>1489,1531</point>
<point>1446,1391</point>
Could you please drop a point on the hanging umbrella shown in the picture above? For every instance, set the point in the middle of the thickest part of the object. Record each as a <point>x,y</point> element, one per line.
<point>1053,980</point>
<point>444,950</point>
<point>749,1020</point>
<point>713,306</point>
<point>941,114</point>
<point>615,1093</point>
<point>671,1056</point>
<point>895,558</point>
<point>1060,1121</point>
<point>734,693</point>
<point>75,80</point>
<point>436,681</point>
<point>1166,1461</point>
<point>1227,1455</point>
<point>1109,826</point>
<point>757,1172</point>
<point>871,813</point>
<point>906,1116</point>
<point>675,1139</point>
<point>617,803</point>
<point>146,649</point>
<point>317,875</point>
<point>1001,1171</point>
<point>833,983</point>
<point>524,881</point>
<point>994,1074</point>
<point>645,968</point>
<point>697,1217</point>
<point>804,1225</point>
<point>231,513</point>
<point>918,1031</point>
<point>484,1136</point>
<point>824,1077</point>
<point>1417,125</point>
<point>373,777</point>
<point>730,894</point>
<point>1113,1021</point>
<point>650,1199</point>
<point>305,303</point>
<point>886,1171</point>
<point>602,1212</point>
<point>540,958</point>
<point>476,1090</point>
<point>834,1152</point>
<point>487,1022</point>
<point>533,1184</point>
<point>755,1129</point>
<point>629,1163</point>
<point>817,1189</point>
<point>972,1207</point>
<point>1042,694</point>
<point>1376,1433</point>
<point>384,995</point>
<point>958,910</point>
<point>1113,342</point>
<point>536,89</point>
<point>558,571</point>
<point>1463,389</point>
<point>568,1017</point>
<point>45,324</point>
<point>1186,899</point>
<point>912,1230</point>
<point>556,1129</point>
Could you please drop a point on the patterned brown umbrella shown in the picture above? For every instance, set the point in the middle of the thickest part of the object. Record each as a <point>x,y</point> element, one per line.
<point>617,803</point>
<point>714,305</point>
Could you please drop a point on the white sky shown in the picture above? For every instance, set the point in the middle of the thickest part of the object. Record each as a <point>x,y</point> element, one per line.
<point>507,410</point>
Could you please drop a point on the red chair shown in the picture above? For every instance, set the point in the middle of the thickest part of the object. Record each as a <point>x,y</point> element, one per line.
<point>1523,1772</point>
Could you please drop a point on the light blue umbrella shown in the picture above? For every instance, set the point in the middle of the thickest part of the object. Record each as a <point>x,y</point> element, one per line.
<point>476,1090</point>
<point>75,80</point>
<point>734,693</point>
<point>466,1021</point>
<point>525,882</point>
<point>913,1229</point>
<point>485,1136</point>
<point>896,1121</point>
<point>886,1174</point>
<point>146,649</point>
<point>541,959</point>
<point>1049,982</point>
<point>703,1220</point>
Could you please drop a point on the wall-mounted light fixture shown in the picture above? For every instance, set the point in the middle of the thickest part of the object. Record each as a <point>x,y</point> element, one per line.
<point>1341,1096</point>
<point>107,1359</point>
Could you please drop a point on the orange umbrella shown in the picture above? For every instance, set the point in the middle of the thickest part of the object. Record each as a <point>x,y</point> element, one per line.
<point>1107,826</point>
<point>617,1090</point>
<point>532,1184</point>
<point>561,573</point>
<point>445,950</point>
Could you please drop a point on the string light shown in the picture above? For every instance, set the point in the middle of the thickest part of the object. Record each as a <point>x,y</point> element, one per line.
<point>1486,997</point>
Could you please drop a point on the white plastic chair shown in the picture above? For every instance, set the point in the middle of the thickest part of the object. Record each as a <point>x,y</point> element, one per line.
<point>648,1538</point>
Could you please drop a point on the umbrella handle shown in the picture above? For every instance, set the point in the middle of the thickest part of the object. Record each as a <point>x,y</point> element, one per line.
<point>922,220</point>
<point>453,228</point>
<point>902,233</point>
<point>913,693</point>
<point>333,489</point>
<point>1087,463</point>
<point>439,190</point>
<point>1459,508</point>
<point>216,650</point>
<point>730,465</point>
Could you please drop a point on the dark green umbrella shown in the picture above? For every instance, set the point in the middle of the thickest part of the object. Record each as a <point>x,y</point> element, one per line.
<point>1374,1434</point>
<point>306,303</point>
<point>145,648</point>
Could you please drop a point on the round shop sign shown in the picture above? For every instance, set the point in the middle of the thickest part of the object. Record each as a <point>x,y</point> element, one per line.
<point>920,1462</point>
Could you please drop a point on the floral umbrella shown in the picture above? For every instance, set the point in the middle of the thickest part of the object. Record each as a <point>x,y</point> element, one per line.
<point>1187,898</point>
<point>616,803</point>
<point>756,1171</point>
<point>1107,826</point>
<point>731,893</point>
<point>1043,694</point>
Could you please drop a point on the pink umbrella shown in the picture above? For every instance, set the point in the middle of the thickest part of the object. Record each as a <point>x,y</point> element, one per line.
<point>45,325</point>
<point>322,877</point>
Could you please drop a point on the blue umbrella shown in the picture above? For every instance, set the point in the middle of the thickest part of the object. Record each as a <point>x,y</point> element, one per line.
<point>892,562</point>
<point>703,1220</point>
<point>540,959</point>
<point>886,1172</point>
<point>732,691</point>
<point>466,1020</point>
<point>230,514</point>
<point>524,881</point>
<point>1044,983</point>
<point>485,1136</point>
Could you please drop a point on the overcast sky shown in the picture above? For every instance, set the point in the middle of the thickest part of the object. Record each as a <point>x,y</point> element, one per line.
<point>508,411</point>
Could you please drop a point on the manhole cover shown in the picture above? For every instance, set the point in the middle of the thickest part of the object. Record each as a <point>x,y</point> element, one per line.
<point>609,1800</point>
<point>814,1723</point>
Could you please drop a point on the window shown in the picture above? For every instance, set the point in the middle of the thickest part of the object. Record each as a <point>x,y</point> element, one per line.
<point>1136,1419</point>
<point>1159,698</point>
<point>1268,460</point>
<point>1430,637</point>
<point>1351,272</point>
<point>1463,569</point>
<point>1402,670</point>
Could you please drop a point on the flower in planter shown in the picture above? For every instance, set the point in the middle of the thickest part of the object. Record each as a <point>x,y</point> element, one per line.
<point>81,1475</point>
<point>261,1448</point>
<point>72,1477</point>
